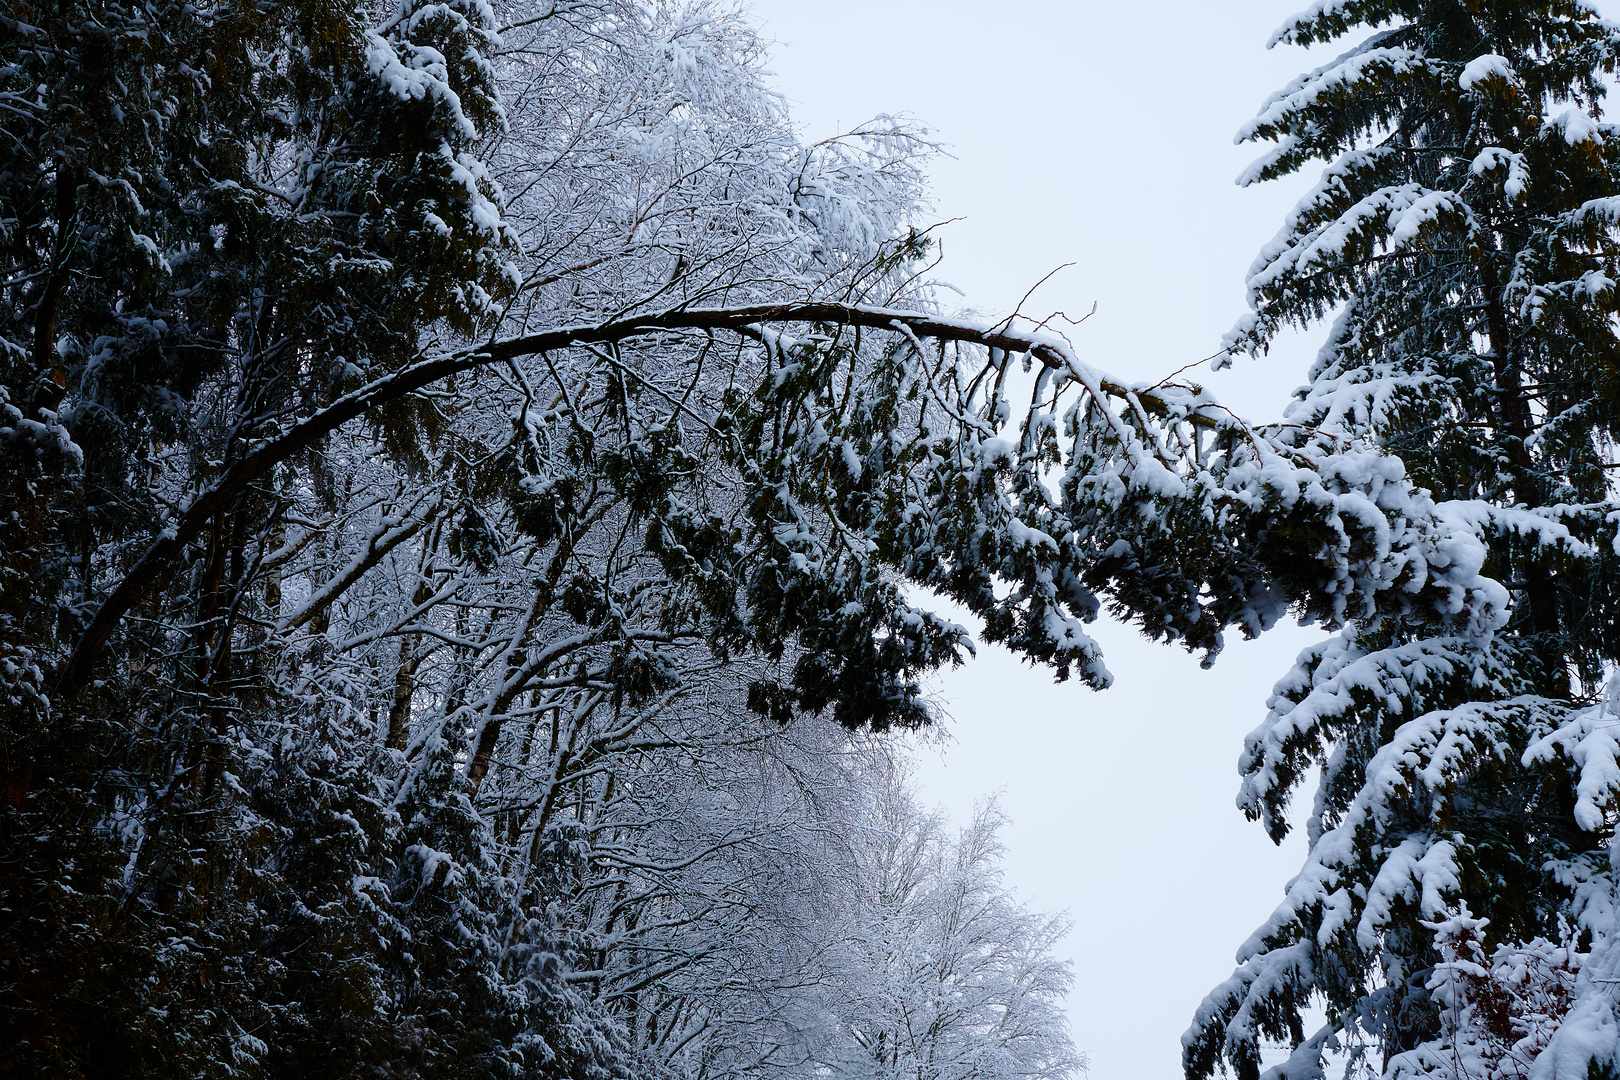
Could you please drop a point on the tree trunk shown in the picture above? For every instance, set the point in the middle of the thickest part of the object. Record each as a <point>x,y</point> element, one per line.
<point>1518,423</point>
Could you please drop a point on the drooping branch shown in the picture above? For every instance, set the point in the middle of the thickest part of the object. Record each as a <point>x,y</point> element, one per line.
<point>154,564</point>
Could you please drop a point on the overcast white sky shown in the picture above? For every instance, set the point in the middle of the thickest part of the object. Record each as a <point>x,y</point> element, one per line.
<point>1099,133</point>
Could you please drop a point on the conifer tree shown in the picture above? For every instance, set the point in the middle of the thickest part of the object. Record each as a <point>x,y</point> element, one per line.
<point>1463,236</point>
<point>217,216</point>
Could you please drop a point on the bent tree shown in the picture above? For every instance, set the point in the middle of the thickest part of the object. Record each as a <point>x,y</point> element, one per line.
<point>1456,912</point>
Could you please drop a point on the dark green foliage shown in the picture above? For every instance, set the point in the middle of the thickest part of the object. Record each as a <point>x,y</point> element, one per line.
<point>189,193</point>
<point>1463,236</point>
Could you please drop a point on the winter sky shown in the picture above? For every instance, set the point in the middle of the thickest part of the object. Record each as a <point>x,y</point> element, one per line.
<point>1098,133</point>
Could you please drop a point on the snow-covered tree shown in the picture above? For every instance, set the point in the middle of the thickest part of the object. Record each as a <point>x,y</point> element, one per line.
<point>1456,910</point>
<point>364,781</point>
<point>958,979</point>
<point>471,477</point>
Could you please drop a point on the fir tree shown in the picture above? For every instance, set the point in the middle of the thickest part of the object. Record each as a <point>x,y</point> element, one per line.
<point>217,216</point>
<point>1463,233</point>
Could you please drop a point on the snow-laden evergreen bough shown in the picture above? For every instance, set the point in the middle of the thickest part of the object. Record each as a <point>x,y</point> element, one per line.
<point>1456,915</point>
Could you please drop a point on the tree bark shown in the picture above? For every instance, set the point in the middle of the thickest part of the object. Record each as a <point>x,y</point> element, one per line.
<point>1518,422</point>
<point>50,380</point>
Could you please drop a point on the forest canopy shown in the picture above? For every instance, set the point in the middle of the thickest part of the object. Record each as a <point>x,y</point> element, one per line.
<point>479,488</point>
